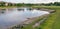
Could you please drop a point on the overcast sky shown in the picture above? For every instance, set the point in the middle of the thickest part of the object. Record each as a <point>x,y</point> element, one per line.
<point>30,1</point>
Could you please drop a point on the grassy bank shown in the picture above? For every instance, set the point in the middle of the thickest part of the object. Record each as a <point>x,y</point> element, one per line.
<point>53,22</point>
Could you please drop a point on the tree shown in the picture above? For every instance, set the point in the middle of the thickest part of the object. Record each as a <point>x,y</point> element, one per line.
<point>57,3</point>
<point>2,3</point>
<point>10,4</point>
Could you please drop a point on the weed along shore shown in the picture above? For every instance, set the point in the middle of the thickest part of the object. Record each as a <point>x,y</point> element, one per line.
<point>33,22</point>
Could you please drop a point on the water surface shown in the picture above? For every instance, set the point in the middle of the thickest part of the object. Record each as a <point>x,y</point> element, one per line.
<point>12,16</point>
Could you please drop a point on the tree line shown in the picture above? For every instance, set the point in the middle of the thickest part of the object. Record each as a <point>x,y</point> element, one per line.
<point>51,4</point>
<point>23,4</point>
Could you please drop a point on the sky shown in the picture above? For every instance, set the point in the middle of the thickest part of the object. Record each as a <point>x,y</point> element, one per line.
<point>31,1</point>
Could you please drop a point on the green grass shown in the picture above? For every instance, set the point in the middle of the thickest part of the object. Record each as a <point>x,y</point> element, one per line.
<point>3,7</point>
<point>53,22</point>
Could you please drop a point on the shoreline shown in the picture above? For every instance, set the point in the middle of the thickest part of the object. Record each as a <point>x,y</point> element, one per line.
<point>30,20</point>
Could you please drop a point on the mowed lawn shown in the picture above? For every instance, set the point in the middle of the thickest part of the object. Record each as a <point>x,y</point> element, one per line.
<point>53,21</point>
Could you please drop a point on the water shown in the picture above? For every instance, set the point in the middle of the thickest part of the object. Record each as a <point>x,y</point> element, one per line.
<point>13,16</point>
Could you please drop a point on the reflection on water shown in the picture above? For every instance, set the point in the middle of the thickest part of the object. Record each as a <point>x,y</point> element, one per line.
<point>13,16</point>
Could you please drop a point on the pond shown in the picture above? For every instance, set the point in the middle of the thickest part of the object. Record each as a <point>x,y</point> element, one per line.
<point>13,16</point>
